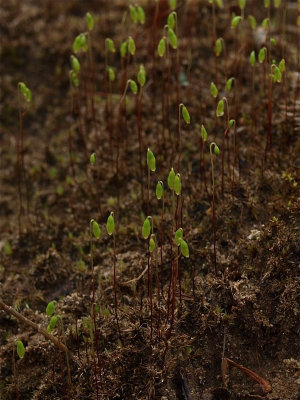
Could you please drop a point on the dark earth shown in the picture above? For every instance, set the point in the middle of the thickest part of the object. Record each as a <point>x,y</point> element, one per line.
<point>217,321</point>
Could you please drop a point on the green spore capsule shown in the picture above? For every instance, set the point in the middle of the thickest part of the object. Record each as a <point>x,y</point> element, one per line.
<point>96,229</point>
<point>141,15</point>
<point>262,55</point>
<point>213,90</point>
<point>74,78</point>
<point>110,224</point>
<point>151,160</point>
<point>123,49</point>
<point>277,76</point>
<point>265,23</point>
<point>161,48</point>
<point>133,86</point>
<point>252,58</point>
<point>216,150</point>
<point>110,45</point>
<point>252,22</point>
<point>141,77</point>
<point>273,41</point>
<point>152,244</point>
<point>50,308</point>
<point>267,3</point>
<point>218,47</point>
<point>242,4</point>
<point>231,123</point>
<point>171,179</point>
<point>203,133</point>
<point>75,64</point>
<point>20,349</point>
<point>92,158</point>
<point>235,21</point>
<point>172,38</point>
<point>111,74</point>
<point>173,4</point>
<point>277,3</point>
<point>171,20</point>
<point>177,185</point>
<point>146,229</point>
<point>133,14</point>
<point>185,114</point>
<point>131,46</point>
<point>25,91</point>
<point>184,248</point>
<point>220,108</point>
<point>282,65</point>
<point>89,21</point>
<point>178,236</point>
<point>229,84</point>
<point>52,324</point>
<point>159,190</point>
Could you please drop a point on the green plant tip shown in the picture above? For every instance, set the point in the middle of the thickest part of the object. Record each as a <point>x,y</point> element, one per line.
<point>80,43</point>
<point>242,4</point>
<point>282,65</point>
<point>229,84</point>
<point>218,47</point>
<point>203,133</point>
<point>185,114</point>
<point>74,78</point>
<point>152,244</point>
<point>171,179</point>
<point>131,46</point>
<point>123,49</point>
<point>220,108</point>
<point>184,248</point>
<point>252,22</point>
<point>20,349</point>
<point>231,123</point>
<point>252,58</point>
<point>216,149</point>
<point>89,21</point>
<point>141,77</point>
<point>141,15</point>
<point>213,90</point>
<point>235,21</point>
<point>25,91</point>
<point>171,20</point>
<point>50,308</point>
<point>52,324</point>
<point>159,190</point>
<point>178,236</point>
<point>173,4</point>
<point>111,74</point>
<point>262,55</point>
<point>172,38</point>
<point>96,229</point>
<point>93,158</point>
<point>265,23</point>
<point>110,45</point>
<point>146,228</point>
<point>177,184</point>
<point>110,224</point>
<point>133,86</point>
<point>273,41</point>
<point>161,48</point>
<point>133,14</point>
<point>151,160</point>
<point>75,64</point>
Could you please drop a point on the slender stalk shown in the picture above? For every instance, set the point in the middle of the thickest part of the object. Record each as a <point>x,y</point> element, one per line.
<point>115,290</point>
<point>213,204</point>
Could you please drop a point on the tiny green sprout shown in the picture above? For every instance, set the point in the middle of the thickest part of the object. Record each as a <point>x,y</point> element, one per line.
<point>133,86</point>
<point>235,21</point>
<point>151,160</point>
<point>141,15</point>
<point>75,64</point>
<point>92,158</point>
<point>110,225</point>
<point>52,324</point>
<point>172,38</point>
<point>20,349</point>
<point>216,149</point>
<point>185,114</point>
<point>242,4</point>
<point>74,78</point>
<point>277,3</point>
<point>123,49</point>
<point>89,21</point>
<point>220,108</point>
<point>25,91</point>
<point>96,229</point>
<point>111,74</point>
<point>203,133</point>
<point>277,76</point>
<point>184,248</point>
<point>133,14</point>
<point>273,41</point>
<point>178,236</point>
<point>213,90</point>
<point>177,184</point>
<point>159,190</point>
<point>80,43</point>
<point>171,179</point>
<point>131,46</point>
<point>265,23</point>
<point>218,47</point>
<point>231,123</point>
<point>161,48</point>
<point>152,243</point>
<point>7,248</point>
<point>146,228</point>
<point>173,4</point>
<point>282,65</point>
<point>267,3</point>
<point>252,58</point>
<point>171,20</point>
<point>141,77</point>
<point>229,84</point>
<point>110,45</point>
<point>50,308</point>
<point>262,55</point>
<point>252,21</point>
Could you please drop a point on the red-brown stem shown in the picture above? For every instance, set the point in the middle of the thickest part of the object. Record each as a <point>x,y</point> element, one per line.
<point>15,375</point>
<point>139,126</point>
<point>81,126</point>
<point>213,206</point>
<point>77,339</point>
<point>202,158</point>
<point>158,289</point>
<point>269,130</point>
<point>223,143</point>
<point>162,240</point>
<point>92,76</point>
<point>71,161</point>
<point>150,295</point>
<point>115,291</point>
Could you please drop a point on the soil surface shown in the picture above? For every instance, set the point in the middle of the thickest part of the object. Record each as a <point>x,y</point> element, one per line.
<point>210,330</point>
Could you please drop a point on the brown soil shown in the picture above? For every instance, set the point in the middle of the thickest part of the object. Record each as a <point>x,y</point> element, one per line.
<point>248,311</point>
